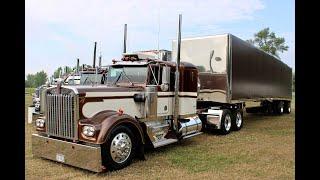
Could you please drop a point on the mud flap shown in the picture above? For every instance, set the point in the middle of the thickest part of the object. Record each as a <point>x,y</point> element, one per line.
<point>140,153</point>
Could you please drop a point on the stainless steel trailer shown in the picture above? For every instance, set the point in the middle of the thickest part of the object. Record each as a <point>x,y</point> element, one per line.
<point>232,70</point>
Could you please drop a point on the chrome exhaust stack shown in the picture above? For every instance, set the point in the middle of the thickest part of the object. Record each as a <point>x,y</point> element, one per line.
<point>94,55</point>
<point>125,39</point>
<point>176,86</point>
<point>78,65</point>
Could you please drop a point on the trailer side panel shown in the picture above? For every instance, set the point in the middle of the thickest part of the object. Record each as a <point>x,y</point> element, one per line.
<point>256,74</point>
<point>209,54</point>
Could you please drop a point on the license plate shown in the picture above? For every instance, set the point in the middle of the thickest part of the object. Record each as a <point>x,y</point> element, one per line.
<point>60,157</point>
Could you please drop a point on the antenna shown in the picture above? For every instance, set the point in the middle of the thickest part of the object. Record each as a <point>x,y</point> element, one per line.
<point>125,39</point>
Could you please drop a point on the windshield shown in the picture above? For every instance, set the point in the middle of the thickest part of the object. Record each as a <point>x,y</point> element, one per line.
<point>90,79</point>
<point>73,80</point>
<point>131,74</point>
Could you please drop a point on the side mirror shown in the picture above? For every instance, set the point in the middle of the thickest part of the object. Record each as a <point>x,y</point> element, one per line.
<point>165,78</point>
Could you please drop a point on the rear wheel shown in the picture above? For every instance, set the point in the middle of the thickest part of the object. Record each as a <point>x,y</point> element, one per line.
<point>278,107</point>
<point>237,120</point>
<point>119,149</point>
<point>287,107</point>
<point>226,121</point>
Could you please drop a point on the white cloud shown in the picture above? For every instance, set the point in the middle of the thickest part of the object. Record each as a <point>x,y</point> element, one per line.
<point>75,24</point>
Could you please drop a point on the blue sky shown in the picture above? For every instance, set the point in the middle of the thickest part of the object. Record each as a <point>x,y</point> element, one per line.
<point>58,32</point>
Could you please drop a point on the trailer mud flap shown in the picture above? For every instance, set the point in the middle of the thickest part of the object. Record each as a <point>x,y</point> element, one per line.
<point>214,117</point>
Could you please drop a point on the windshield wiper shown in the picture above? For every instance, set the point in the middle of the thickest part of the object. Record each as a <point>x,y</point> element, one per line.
<point>117,78</point>
<point>84,82</point>
<point>125,75</point>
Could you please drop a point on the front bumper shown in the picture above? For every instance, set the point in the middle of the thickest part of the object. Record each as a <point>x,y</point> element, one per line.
<point>78,155</point>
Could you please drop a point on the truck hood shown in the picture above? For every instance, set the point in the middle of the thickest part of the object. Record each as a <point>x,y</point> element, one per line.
<point>83,90</point>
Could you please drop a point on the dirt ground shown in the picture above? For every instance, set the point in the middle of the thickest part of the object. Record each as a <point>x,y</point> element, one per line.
<point>263,149</point>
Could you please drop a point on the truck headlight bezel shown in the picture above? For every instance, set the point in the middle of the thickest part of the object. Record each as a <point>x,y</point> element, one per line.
<point>40,123</point>
<point>88,130</point>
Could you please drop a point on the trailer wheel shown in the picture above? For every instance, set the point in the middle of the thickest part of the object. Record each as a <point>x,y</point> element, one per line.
<point>279,107</point>
<point>287,107</point>
<point>119,149</point>
<point>226,122</point>
<point>237,120</point>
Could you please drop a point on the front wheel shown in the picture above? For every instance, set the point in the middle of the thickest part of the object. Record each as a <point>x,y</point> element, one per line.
<point>119,149</point>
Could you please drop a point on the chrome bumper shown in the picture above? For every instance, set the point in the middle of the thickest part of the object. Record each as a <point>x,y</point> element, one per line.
<point>78,155</point>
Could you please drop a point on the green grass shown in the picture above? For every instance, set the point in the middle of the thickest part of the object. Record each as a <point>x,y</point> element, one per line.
<point>263,149</point>
<point>201,159</point>
<point>29,90</point>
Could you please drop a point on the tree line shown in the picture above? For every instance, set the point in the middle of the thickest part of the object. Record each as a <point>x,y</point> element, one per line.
<point>35,80</point>
<point>40,78</point>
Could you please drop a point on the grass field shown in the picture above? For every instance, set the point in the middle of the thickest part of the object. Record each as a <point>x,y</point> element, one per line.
<point>263,149</point>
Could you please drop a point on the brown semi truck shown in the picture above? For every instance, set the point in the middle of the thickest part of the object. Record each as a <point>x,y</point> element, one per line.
<point>155,102</point>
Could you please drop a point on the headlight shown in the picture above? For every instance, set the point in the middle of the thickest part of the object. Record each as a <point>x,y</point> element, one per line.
<point>40,123</point>
<point>88,130</point>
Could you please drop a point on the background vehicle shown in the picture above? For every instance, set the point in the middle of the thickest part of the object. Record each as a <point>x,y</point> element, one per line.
<point>85,76</point>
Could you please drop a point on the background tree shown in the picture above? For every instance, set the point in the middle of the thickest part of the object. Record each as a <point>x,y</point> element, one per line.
<point>57,72</point>
<point>269,42</point>
<point>40,78</point>
<point>62,70</point>
<point>67,70</point>
<point>36,80</point>
<point>30,81</point>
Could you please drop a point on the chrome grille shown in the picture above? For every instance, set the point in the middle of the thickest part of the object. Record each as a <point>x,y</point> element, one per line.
<point>60,119</point>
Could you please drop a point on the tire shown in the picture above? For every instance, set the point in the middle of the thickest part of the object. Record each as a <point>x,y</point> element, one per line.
<point>111,158</point>
<point>278,107</point>
<point>287,107</point>
<point>267,107</point>
<point>237,120</point>
<point>226,121</point>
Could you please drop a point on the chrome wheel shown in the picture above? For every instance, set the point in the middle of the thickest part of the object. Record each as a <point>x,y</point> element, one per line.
<point>238,119</point>
<point>281,110</point>
<point>227,122</point>
<point>120,148</point>
<point>289,109</point>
